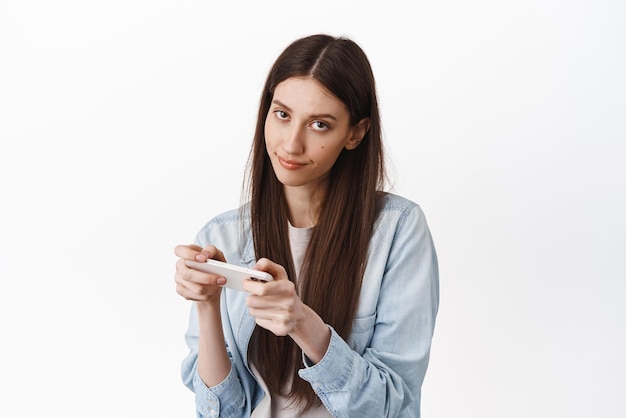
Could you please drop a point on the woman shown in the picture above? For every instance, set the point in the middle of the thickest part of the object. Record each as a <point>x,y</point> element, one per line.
<point>345,327</point>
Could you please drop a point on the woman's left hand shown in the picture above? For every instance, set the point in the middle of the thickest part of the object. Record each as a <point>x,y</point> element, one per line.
<point>277,307</point>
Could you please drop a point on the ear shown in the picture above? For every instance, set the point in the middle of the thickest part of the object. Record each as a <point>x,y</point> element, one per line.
<point>358,133</point>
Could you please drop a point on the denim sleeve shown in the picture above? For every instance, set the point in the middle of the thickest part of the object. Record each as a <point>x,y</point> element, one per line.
<point>386,380</point>
<point>227,399</point>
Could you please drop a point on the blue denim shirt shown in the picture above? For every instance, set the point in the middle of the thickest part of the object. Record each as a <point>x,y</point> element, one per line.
<point>378,372</point>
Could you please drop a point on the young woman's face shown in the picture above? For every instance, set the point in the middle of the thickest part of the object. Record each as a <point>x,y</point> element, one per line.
<point>306,129</point>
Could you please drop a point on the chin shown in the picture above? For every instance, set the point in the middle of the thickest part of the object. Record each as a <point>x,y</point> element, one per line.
<point>289,182</point>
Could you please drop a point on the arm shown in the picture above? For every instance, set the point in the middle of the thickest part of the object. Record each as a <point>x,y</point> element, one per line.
<point>277,307</point>
<point>207,370</point>
<point>385,380</point>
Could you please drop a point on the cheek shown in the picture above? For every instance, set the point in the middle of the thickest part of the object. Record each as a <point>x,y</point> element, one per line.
<point>267,132</point>
<point>326,156</point>
<point>270,134</point>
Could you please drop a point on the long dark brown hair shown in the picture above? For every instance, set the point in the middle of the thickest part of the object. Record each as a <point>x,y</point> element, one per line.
<point>332,270</point>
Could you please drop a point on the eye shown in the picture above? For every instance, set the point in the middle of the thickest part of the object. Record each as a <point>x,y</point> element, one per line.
<point>281,114</point>
<point>318,125</point>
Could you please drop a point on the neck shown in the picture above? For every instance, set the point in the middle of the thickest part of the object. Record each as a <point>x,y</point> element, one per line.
<point>303,205</point>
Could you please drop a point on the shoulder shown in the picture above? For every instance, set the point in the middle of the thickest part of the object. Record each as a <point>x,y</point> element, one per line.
<point>223,227</point>
<point>398,207</point>
<point>222,220</point>
<point>399,218</point>
<point>227,217</point>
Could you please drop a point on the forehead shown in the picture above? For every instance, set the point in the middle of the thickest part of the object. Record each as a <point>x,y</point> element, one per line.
<point>308,96</point>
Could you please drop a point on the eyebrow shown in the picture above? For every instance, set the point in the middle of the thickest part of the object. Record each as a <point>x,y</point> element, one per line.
<point>320,116</point>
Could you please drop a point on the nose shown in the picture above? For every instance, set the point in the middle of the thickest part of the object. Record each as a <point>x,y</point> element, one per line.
<point>293,142</point>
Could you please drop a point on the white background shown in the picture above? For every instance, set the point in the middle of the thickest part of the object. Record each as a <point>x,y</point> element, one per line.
<point>125,125</point>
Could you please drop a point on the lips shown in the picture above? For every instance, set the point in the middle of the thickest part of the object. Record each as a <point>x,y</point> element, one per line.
<point>290,164</point>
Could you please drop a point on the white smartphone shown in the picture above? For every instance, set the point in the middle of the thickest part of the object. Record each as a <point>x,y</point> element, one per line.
<point>234,275</point>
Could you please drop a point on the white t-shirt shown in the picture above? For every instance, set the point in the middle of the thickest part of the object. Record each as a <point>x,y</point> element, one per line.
<point>279,407</point>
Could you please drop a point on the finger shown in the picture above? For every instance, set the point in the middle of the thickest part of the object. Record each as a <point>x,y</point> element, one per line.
<point>254,301</point>
<point>259,287</point>
<point>210,252</point>
<point>277,327</point>
<point>191,295</point>
<point>188,274</point>
<point>273,291</point>
<point>187,251</point>
<point>203,286</point>
<point>277,271</point>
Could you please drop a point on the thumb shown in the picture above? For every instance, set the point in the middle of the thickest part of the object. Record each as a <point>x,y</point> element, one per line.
<point>277,271</point>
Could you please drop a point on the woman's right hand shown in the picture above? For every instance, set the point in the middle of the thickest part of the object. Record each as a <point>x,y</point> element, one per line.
<point>194,284</point>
